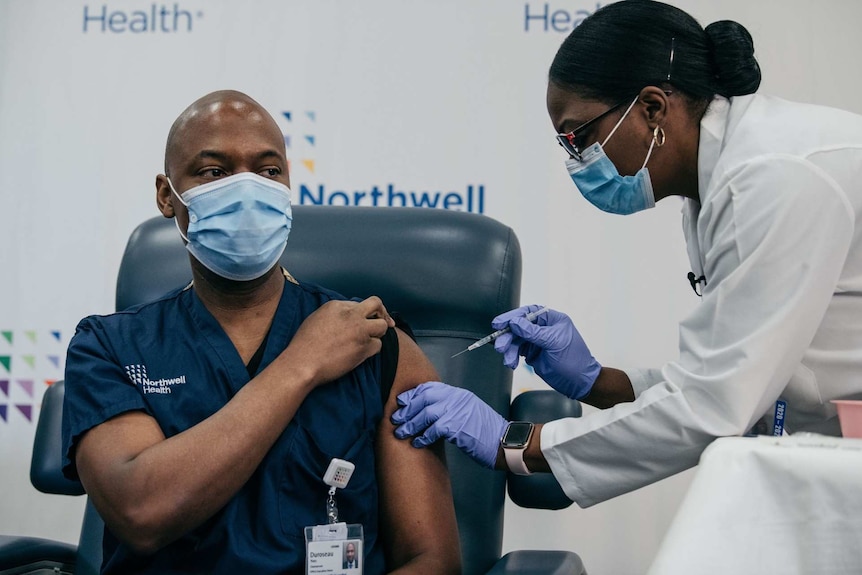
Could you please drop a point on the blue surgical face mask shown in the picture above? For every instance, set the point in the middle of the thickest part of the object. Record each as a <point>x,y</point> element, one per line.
<point>238,226</point>
<point>601,184</point>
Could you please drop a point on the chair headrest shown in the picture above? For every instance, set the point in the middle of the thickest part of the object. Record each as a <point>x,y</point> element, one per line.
<point>406,256</point>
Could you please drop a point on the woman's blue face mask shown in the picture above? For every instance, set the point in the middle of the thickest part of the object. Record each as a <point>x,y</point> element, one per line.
<point>601,184</point>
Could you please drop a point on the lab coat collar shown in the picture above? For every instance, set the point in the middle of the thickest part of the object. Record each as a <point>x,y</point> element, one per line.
<point>712,130</point>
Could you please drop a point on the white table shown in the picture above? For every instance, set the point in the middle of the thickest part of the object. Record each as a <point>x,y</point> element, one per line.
<point>788,505</point>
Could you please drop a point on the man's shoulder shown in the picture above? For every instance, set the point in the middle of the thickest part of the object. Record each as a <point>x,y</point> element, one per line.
<point>317,291</point>
<point>136,315</point>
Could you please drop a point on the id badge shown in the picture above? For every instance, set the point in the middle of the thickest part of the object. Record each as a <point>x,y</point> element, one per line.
<point>334,549</point>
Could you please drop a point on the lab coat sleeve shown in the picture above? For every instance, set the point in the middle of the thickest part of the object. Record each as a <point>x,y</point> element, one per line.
<point>643,379</point>
<point>774,236</point>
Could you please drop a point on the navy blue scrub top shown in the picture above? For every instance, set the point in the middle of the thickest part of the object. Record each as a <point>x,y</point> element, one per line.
<point>172,360</point>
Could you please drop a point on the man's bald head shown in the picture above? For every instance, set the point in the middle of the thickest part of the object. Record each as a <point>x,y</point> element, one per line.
<point>208,111</point>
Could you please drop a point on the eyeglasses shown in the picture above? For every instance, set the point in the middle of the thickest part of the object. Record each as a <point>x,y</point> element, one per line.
<point>569,141</point>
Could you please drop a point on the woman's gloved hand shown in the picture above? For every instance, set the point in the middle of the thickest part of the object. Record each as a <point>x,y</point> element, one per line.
<point>552,346</point>
<point>434,410</point>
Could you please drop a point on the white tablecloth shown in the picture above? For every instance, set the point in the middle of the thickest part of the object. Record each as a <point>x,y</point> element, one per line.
<point>788,505</point>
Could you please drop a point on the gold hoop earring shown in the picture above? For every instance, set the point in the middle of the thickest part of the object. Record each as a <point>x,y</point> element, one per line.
<point>658,136</point>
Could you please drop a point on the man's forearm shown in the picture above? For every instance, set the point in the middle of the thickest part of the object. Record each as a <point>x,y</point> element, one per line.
<point>204,466</point>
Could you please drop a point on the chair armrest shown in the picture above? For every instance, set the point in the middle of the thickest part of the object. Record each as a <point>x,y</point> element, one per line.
<point>539,563</point>
<point>19,555</point>
<point>46,473</point>
<point>540,490</point>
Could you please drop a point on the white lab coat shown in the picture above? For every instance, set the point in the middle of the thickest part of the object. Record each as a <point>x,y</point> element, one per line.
<point>776,236</point>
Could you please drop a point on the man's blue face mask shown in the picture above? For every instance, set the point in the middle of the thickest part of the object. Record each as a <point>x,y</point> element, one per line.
<point>238,226</point>
<point>601,184</point>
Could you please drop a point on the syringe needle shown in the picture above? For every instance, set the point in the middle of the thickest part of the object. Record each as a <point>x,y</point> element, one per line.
<point>491,337</point>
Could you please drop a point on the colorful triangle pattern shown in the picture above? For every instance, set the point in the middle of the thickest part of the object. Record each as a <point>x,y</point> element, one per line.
<point>27,386</point>
<point>3,412</point>
<point>6,361</point>
<point>30,360</point>
<point>7,335</point>
<point>4,387</point>
<point>287,115</point>
<point>309,164</point>
<point>31,335</point>
<point>26,411</point>
<point>56,335</point>
<point>55,360</point>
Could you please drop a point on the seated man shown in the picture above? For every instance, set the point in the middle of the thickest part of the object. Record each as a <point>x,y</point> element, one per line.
<point>202,424</point>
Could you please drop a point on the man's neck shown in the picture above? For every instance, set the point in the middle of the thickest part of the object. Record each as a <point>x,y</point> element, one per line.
<point>222,295</point>
<point>244,310</point>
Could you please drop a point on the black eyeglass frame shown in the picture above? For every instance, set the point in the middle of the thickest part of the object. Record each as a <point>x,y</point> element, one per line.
<point>567,140</point>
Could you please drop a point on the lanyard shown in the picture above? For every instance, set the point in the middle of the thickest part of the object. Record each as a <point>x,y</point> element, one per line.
<point>780,412</point>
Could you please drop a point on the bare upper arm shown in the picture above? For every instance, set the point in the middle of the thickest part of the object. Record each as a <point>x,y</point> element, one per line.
<point>418,516</point>
<point>102,455</point>
<point>113,443</point>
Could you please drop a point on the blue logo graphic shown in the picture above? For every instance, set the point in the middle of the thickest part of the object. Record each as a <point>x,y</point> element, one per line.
<point>301,142</point>
<point>470,199</point>
<point>547,18</point>
<point>155,19</point>
<point>303,147</point>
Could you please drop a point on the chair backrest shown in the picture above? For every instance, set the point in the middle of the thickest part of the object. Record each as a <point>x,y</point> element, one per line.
<point>448,273</point>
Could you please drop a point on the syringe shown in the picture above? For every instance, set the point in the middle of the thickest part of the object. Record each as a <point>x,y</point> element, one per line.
<point>491,337</point>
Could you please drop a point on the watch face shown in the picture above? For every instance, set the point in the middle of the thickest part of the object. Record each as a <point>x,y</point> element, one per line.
<point>517,434</point>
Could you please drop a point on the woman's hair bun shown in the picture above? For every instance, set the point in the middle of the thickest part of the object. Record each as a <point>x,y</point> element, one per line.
<point>736,70</point>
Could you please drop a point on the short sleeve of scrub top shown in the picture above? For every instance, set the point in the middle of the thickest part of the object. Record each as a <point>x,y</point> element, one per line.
<point>90,358</point>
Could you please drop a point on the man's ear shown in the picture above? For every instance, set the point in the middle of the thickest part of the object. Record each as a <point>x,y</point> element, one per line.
<point>655,105</point>
<point>164,199</point>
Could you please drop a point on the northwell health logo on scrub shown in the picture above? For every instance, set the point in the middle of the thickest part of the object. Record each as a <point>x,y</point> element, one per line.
<point>300,140</point>
<point>138,375</point>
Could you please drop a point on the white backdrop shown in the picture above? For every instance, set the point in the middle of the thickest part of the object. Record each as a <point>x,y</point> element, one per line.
<point>441,100</point>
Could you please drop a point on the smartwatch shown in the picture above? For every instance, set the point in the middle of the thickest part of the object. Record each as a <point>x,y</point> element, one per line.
<point>514,442</point>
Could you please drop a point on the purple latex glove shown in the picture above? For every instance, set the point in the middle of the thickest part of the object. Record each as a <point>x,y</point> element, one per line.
<point>436,410</point>
<point>552,346</point>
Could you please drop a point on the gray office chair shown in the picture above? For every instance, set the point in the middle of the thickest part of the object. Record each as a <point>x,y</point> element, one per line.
<point>448,274</point>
